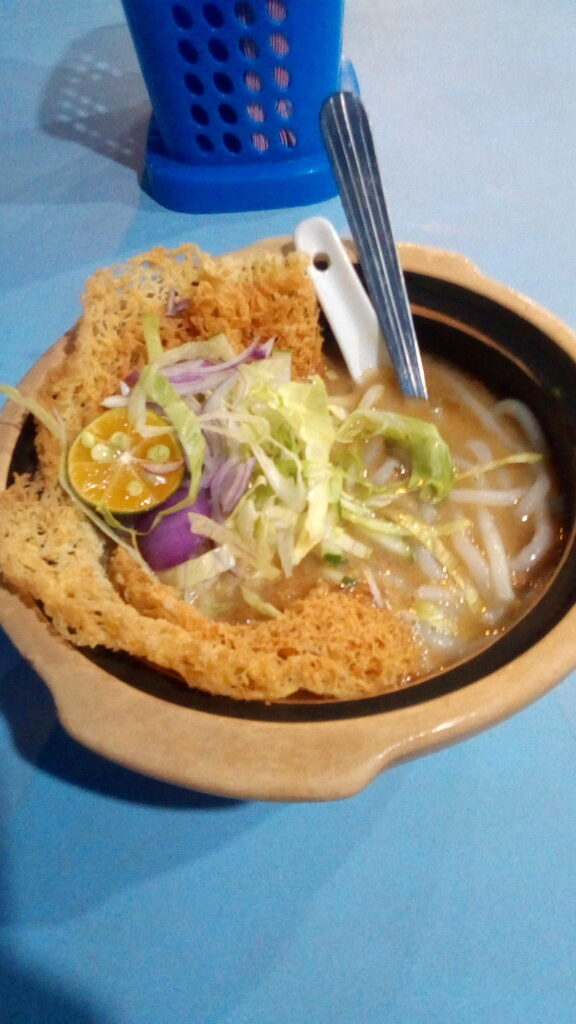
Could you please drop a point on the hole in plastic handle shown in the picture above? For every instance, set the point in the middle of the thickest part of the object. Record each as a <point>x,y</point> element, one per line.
<point>321,261</point>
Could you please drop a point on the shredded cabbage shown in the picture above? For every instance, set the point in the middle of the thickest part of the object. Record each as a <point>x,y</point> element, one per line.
<point>285,466</point>
<point>160,391</point>
<point>432,469</point>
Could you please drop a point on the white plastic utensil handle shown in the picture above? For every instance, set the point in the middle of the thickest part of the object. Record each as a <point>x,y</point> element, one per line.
<point>342,296</point>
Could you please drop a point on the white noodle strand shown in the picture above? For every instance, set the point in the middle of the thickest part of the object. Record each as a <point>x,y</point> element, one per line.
<point>487,496</point>
<point>444,596</point>
<point>485,416</point>
<point>534,551</point>
<point>374,588</point>
<point>511,407</point>
<point>473,559</point>
<point>496,555</point>
<point>429,565</point>
<point>534,497</point>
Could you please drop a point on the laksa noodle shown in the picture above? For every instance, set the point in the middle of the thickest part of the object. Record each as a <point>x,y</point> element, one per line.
<point>215,496</point>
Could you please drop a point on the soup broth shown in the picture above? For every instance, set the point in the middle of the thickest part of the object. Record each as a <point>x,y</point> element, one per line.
<point>460,570</point>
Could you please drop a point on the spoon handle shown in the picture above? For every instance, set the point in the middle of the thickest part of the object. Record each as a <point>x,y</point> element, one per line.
<point>350,147</point>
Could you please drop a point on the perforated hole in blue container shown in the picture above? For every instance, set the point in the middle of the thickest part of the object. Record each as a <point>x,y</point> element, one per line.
<point>223,82</point>
<point>276,9</point>
<point>236,89</point>
<point>249,47</point>
<point>218,50</point>
<point>252,81</point>
<point>244,12</point>
<point>213,14</point>
<point>188,51</point>
<point>182,16</point>
<point>279,44</point>
<point>227,113</point>
<point>281,77</point>
<point>194,84</point>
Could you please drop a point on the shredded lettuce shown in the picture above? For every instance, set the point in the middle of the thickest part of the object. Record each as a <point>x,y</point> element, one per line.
<point>32,406</point>
<point>152,339</point>
<point>215,349</point>
<point>160,391</point>
<point>517,458</point>
<point>304,487</point>
<point>208,565</point>
<point>435,617</point>
<point>432,468</point>
<point>430,538</point>
<point>253,600</point>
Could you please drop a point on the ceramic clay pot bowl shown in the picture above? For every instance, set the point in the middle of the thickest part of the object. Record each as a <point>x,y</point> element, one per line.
<point>319,750</point>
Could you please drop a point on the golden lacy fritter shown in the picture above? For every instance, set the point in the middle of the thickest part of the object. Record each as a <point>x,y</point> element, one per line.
<point>332,643</point>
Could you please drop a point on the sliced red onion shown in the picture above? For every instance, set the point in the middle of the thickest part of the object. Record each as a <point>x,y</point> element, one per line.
<point>193,374</point>
<point>228,484</point>
<point>159,468</point>
<point>171,541</point>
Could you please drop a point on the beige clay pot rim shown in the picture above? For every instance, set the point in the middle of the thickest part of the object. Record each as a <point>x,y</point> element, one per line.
<point>244,758</point>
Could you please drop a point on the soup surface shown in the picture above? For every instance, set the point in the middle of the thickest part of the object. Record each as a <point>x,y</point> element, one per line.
<point>460,569</point>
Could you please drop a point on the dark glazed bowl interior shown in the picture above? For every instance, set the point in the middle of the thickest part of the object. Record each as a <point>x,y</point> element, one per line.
<point>514,359</point>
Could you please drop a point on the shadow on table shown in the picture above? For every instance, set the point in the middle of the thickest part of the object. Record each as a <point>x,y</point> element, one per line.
<point>96,96</point>
<point>29,710</point>
<point>26,998</point>
<point>68,808</point>
<point>27,994</point>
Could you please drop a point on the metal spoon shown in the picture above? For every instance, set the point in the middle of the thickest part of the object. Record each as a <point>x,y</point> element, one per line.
<point>350,147</point>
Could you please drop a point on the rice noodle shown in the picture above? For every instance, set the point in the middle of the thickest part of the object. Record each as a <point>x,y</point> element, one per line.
<point>487,496</point>
<point>496,555</point>
<point>480,449</point>
<point>537,547</point>
<point>484,455</point>
<point>445,596</point>
<point>385,472</point>
<point>429,565</point>
<point>372,397</point>
<point>485,416</point>
<point>511,407</point>
<point>473,559</point>
<point>534,497</point>
<point>374,452</point>
<point>374,588</point>
<point>435,639</point>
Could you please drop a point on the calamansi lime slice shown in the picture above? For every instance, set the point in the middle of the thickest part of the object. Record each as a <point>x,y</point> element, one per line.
<point>113,466</point>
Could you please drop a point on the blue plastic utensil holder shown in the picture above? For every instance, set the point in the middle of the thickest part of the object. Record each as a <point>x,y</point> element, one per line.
<point>236,89</point>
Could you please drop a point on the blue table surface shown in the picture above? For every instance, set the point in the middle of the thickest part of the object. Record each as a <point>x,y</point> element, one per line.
<point>446,891</point>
